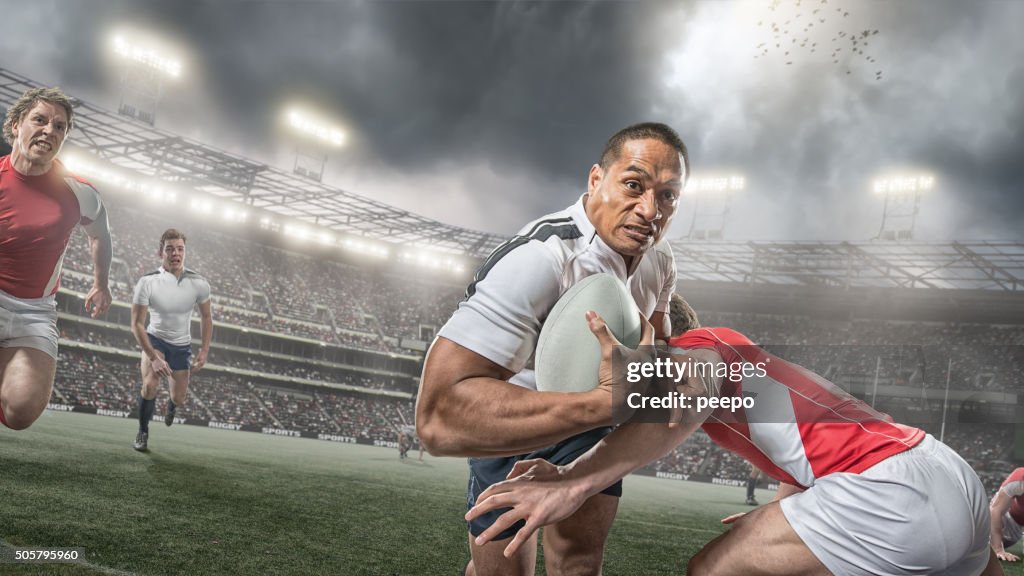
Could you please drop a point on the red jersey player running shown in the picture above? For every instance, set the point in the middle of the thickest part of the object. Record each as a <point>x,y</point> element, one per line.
<point>859,494</point>
<point>40,205</point>
<point>1007,509</point>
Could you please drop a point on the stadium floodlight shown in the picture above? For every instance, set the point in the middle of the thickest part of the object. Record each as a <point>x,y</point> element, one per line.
<point>316,130</point>
<point>314,126</point>
<point>296,231</point>
<point>147,55</point>
<point>432,260</point>
<point>360,246</point>
<point>201,205</point>
<point>709,216</point>
<point>232,215</point>
<point>902,202</point>
<point>147,63</point>
<point>711,184</point>
<point>904,184</point>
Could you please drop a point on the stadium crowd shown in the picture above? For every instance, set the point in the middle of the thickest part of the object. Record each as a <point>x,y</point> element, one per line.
<point>284,367</point>
<point>110,382</point>
<point>269,289</point>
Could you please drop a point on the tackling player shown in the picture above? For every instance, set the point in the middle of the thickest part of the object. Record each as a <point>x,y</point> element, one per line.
<point>1007,510</point>
<point>859,494</point>
<point>168,295</point>
<point>478,395</point>
<point>40,205</point>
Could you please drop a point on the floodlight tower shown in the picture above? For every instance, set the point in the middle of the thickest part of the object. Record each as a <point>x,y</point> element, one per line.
<point>901,204</point>
<point>142,79</point>
<point>709,217</point>
<point>319,137</point>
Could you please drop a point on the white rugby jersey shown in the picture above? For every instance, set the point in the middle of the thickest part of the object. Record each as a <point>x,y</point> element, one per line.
<point>520,282</point>
<point>170,301</point>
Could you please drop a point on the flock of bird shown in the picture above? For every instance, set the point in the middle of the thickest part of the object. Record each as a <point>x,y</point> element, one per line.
<point>802,31</point>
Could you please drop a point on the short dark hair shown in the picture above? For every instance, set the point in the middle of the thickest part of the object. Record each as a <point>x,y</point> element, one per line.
<point>682,316</point>
<point>171,234</point>
<point>30,98</point>
<point>643,131</point>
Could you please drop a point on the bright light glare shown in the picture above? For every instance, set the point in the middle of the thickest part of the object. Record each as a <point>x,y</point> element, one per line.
<point>359,246</point>
<point>146,55</point>
<point>905,183</point>
<point>300,233</point>
<point>316,127</point>
<point>729,183</point>
<point>432,260</point>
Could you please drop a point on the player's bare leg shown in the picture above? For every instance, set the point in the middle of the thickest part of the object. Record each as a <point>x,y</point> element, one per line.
<point>26,382</point>
<point>761,543</point>
<point>575,546</point>
<point>179,391</point>
<point>147,401</point>
<point>489,559</point>
<point>150,379</point>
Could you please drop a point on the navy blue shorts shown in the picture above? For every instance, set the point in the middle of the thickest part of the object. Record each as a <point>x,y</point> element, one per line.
<point>486,471</point>
<point>177,357</point>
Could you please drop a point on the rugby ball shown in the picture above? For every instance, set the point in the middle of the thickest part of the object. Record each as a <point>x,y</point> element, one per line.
<point>568,355</point>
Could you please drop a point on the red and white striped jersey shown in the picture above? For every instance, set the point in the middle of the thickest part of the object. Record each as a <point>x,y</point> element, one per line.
<point>1013,487</point>
<point>37,216</point>
<point>801,427</point>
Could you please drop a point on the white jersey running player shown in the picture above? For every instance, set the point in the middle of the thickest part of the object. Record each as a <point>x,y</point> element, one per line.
<point>169,295</point>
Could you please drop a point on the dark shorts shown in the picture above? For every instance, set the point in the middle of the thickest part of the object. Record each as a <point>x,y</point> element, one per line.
<point>486,471</point>
<point>177,357</point>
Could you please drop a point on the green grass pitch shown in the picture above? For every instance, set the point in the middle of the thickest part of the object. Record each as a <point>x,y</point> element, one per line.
<point>217,502</point>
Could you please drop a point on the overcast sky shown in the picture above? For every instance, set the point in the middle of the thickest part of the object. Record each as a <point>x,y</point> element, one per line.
<point>489,114</point>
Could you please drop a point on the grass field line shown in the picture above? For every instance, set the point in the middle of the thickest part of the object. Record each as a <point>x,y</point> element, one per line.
<point>85,563</point>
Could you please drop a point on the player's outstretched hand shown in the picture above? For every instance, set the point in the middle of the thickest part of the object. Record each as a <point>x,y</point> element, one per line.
<point>1007,557</point>
<point>199,361</point>
<point>536,492</point>
<point>615,357</point>
<point>97,301</point>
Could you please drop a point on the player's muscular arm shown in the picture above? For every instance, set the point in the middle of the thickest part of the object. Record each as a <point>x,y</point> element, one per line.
<point>139,312</point>
<point>466,408</point>
<point>999,505</point>
<point>100,245</point>
<point>206,326</point>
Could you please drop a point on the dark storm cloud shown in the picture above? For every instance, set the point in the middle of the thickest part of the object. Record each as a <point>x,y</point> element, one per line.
<point>488,114</point>
<point>811,136</point>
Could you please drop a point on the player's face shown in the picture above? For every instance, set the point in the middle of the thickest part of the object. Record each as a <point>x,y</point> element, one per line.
<point>174,255</point>
<point>632,202</point>
<point>39,134</point>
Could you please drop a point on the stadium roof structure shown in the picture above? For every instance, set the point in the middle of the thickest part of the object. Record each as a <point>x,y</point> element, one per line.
<point>152,152</point>
<point>980,265</point>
